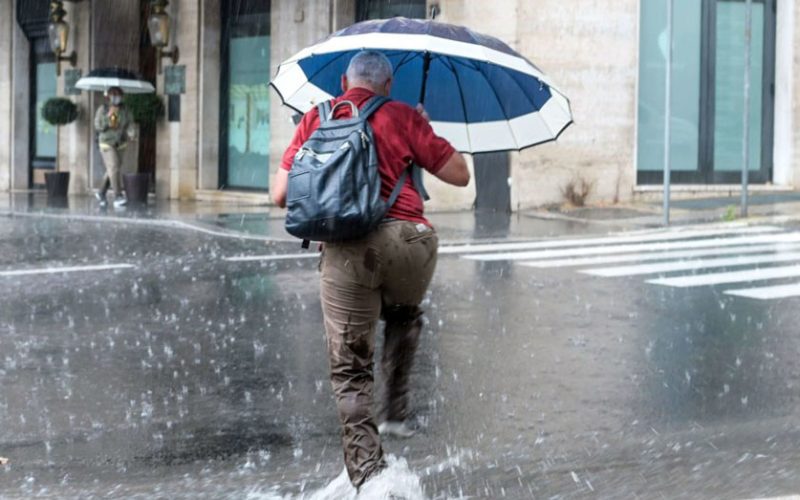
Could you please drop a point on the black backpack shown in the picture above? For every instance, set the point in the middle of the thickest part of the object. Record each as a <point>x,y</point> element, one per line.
<point>334,187</point>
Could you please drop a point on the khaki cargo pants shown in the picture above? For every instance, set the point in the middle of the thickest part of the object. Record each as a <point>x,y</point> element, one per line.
<point>385,274</point>
<point>112,158</point>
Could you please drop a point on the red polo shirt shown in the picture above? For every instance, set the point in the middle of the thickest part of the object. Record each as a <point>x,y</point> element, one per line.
<point>401,135</point>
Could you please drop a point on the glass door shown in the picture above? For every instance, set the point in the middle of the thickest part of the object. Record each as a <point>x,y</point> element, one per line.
<point>707,101</point>
<point>245,132</point>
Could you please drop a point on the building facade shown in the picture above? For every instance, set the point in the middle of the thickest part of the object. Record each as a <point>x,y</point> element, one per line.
<point>225,129</point>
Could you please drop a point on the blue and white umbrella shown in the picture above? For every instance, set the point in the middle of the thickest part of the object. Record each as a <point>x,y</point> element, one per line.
<point>480,94</point>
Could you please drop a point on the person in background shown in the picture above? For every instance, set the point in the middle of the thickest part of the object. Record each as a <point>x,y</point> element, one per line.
<point>384,274</point>
<point>112,122</point>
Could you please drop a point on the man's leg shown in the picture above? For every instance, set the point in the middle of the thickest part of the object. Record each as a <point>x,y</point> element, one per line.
<point>403,326</point>
<point>412,250</point>
<point>351,309</point>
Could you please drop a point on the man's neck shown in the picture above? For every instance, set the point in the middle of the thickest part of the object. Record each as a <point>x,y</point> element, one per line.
<point>362,88</point>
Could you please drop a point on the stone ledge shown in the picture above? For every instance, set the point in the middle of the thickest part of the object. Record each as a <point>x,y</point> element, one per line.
<point>235,197</point>
<point>712,188</point>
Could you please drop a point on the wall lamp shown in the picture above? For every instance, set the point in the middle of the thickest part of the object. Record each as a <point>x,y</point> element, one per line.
<point>158,25</point>
<point>58,32</point>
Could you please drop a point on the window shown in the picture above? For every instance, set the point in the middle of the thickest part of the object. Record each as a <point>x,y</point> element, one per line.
<point>707,91</point>
<point>245,95</point>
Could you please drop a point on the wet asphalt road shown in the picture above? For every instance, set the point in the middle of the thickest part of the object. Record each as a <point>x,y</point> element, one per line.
<point>191,376</point>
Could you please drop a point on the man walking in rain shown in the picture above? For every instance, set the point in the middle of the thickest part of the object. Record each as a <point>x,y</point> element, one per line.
<point>111,122</point>
<point>384,274</point>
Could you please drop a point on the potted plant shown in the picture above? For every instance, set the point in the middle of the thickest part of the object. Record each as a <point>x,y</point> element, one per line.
<point>146,110</point>
<point>58,111</point>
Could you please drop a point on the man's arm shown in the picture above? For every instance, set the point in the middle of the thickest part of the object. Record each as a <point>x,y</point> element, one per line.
<point>430,150</point>
<point>278,188</point>
<point>454,171</point>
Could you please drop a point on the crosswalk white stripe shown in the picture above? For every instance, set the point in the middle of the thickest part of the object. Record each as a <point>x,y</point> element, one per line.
<point>688,265</point>
<point>768,292</point>
<point>279,256</point>
<point>766,273</point>
<point>648,247</point>
<point>70,269</point>
<point>650,256</point>
<point>578,242</point>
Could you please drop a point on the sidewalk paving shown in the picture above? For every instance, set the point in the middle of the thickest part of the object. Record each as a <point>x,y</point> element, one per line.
<point>266,222</point>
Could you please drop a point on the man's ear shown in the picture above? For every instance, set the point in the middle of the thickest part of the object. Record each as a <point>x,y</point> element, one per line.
<point>387,87</point>
<point>344,83</point>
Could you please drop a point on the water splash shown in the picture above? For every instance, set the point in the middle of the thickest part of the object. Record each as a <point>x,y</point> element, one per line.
<point>397,481</point>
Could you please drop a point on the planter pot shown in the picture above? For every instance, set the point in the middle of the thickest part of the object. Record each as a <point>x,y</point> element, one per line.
<point>136,187</point>
<point>57,184</point>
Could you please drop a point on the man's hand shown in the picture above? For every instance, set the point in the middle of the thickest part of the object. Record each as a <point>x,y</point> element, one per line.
<point>421,110</point>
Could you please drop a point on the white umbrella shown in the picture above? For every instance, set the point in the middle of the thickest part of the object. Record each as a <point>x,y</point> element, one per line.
<point>103,79</point>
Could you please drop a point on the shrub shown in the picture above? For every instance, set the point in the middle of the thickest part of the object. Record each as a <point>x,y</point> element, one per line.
<point>576,191</point>
<point>146,109</point>
<point>59,111</point>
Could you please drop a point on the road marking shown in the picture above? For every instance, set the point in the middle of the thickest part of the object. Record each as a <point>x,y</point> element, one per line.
<point>168,223</point>
<point>768,292</point>
<point>73,269</point>
<point>691,265</point>
<point>648,247</point>
<point>578,242</point>
<point>278,256</point>
<point>642,257</point>
<point>789,497</point>
<point>766,273</point>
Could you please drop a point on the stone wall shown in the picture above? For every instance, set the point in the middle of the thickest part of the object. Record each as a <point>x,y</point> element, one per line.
<point>795,103</point>
<point>591,55</point>
<point>295,25</point>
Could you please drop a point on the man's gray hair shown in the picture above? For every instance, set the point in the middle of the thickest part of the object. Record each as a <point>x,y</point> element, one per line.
<point>370,67</point>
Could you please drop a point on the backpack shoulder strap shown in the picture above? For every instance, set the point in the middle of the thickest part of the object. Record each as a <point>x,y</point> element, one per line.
<point>396,191</point>
<point>416,178</point>
<point>372,106</point>
<point>324,109</point>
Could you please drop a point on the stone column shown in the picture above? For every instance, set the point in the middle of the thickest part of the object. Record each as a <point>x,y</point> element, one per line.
<point>209,92</point>
<point>295,24</point>
<point>177,143</point>
<point>6,75</point>
<point>75,140</point>
<point>20,106</point>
